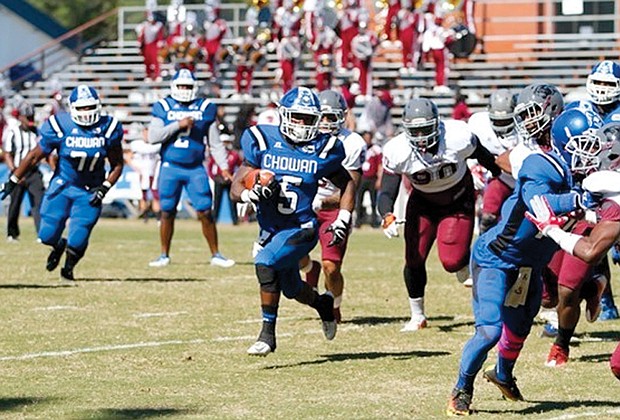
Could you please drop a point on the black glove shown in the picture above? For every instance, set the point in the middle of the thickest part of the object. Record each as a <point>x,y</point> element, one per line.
<point>269,191</point>
<point>96,199</point>
<point>8,187</point>
<point>340,228</point>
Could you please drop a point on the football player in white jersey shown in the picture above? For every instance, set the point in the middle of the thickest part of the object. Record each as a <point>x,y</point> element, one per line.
<point>495,129</point>
<point>432,154</point>
<point>327,200</point>
<point>606,185</point>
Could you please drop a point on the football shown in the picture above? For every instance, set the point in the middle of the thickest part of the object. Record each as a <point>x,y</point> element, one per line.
<point>258,176</point>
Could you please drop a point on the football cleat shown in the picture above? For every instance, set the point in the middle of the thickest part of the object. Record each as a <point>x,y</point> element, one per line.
<point>593,303</point>
<point>325,308</point>
<point>557,357</point>
<point>549,330</point>
<point>459,403</point>
<point>469,282</point>
<point>161,261</point>
<point>219,260</point>
<point>54,258</point>
<point>609,311</point>
<point>416,323</point>
<point>66,277</point>
<point>12,240</point>
<point>509,389</point>
<point>260,348</point>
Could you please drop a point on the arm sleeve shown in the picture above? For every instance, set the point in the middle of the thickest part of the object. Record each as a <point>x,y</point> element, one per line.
<point>160,133</point>
<point>251,152</point>
<point>390,183</point>
<point>484,157</point>
<point>217,148</point>
<point>7,141</point>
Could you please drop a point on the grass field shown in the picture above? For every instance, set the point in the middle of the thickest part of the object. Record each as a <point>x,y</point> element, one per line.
<point>133,342</point>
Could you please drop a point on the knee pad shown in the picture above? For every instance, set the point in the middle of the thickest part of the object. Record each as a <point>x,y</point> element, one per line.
<point>487,221</point>
<point>267,279</point>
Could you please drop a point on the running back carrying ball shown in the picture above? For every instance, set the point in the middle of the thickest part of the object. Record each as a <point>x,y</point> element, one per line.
<point>261,185</point>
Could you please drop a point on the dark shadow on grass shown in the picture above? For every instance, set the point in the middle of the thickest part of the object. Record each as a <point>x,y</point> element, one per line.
<point>135,413</point>
<point>451,327</point>
<point>538,407</point>
<point>8,404</point>
<point>343,357</point>
<point>375,320</point>
<point>595,358</point>
<point>142,279</point>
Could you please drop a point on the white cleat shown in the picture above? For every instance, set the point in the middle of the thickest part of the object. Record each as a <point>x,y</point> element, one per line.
<point>416,323</point>
<point>219,260</point>
<point>469,283</point>
<point>260,348</point>
<point>329,329</point>
<point>161,261</point>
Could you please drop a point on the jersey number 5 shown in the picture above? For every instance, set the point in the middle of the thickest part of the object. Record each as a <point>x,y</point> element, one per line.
<point>287,204</point>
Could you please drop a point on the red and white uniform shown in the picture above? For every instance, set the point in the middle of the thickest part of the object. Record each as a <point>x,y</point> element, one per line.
<point>363,46</point>
<point>214,31</point>
<point>392,13</point>
<point>176,15</point>
<point>145,157</point>
<point>348,24</point>
<point>434,42</point>
<point>288,23</point>
<point>324,49</point>
<point>408,22</point>
<point>354,147</point>
<point>151,38</point>
<point>441,204</point>
<point>498,189</point>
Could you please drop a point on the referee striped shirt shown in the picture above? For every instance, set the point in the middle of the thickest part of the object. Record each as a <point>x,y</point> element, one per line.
<point>18,141</point>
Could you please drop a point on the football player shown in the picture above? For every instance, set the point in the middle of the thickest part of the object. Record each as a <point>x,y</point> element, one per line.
<point>606,232</point>
<point>299,157</point>
<point>181,122</point>
<point>432,154</point>
<point>327,200</point>
<point>495,129</point>
<point>83,139</point>
<point>508,259</point>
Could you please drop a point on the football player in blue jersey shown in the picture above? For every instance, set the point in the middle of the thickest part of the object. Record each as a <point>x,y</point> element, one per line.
<point>298,156</point>
<point>508,259</point>
<point>181,122</point>
<point>83,139</point>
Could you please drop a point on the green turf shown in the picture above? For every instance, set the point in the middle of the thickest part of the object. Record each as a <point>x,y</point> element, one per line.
<point>133,342</point>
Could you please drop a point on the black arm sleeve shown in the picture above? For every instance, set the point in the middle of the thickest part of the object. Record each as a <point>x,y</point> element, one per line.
<point>484,157</point>
<point>340,178</point>
<point>390,184</point>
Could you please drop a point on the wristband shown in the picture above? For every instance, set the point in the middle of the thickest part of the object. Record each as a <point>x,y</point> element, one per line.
<point>14,178</point>
<point>107,184</point>
<point>344,215</point>
<point>567,241</point>
<point>245,196</point>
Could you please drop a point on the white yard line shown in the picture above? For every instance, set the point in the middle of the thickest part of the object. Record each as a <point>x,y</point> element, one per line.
<point>597,414</point>
<point>57,308</point>
<point>64,353</point>
<point>159,314</point>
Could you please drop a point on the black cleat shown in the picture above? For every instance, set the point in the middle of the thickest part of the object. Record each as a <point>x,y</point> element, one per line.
<point>459,403</point>
<point>54,258</point>
<point>66,277</point>
<point>325,308</point>
<point>509,389</point>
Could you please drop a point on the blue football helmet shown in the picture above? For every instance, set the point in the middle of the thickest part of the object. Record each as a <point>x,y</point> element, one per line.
<point>603,84</point>
<point>184,86</point>
<point>537,106</point>
<point>300,114</point>
<point>333,111</point>
<point>84,105</point>
<point>576,139</point>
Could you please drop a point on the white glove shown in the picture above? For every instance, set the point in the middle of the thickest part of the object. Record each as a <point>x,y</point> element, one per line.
<point>390,225</point>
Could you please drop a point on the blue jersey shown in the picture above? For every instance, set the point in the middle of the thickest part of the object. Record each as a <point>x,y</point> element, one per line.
<point>298,169</point>
<point>515,241</point>
<point>81,150</point>
<point>188,148</point>
<point>590,109</point>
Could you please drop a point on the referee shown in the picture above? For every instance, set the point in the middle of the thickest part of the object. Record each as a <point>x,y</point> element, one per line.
<point>19,137</point>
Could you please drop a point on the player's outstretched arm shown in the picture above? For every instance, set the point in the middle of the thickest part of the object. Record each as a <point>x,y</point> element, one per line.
<point>32,158</point>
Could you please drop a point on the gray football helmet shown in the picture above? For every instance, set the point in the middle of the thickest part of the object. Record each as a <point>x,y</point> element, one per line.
<point>609,156</point>
<point>421,123</point>
<point>501,111</point>
<point>333,111</point>
<point>537,106</point>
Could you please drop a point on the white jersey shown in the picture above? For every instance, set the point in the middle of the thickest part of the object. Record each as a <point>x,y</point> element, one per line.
<point>355,150</point>
<point>480,124</point>
<point>145,157</point>
<point>432,173</point>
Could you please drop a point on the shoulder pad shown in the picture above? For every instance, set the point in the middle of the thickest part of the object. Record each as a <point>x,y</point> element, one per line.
<point>602,182</point>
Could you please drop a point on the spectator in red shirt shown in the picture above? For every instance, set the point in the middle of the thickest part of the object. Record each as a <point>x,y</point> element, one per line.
<point>370,182</point>
<point>461,110</point>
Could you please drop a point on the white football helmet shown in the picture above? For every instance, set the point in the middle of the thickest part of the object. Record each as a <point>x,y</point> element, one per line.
<point>603,84</point>
<point>84,105</point>
<point>184,86</point>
